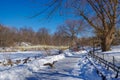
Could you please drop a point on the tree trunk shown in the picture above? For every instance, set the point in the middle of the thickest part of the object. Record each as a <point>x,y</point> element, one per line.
<point>106,41</point>
<point>105,44</point>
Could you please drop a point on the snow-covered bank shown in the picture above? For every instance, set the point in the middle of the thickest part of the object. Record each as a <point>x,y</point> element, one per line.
<point>69,53</point>
<point>21,71</point>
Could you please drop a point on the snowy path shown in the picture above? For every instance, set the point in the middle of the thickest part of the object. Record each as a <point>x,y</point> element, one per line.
<point>75,67</point>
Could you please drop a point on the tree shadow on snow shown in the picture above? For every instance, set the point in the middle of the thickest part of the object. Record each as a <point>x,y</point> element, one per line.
<point>76,56</point>
<point>51,76</point>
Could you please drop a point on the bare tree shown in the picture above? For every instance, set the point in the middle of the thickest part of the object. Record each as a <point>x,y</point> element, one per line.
<point>7,36</point>
<point>117,37</point>
<point>71,29</point>
<point>43,36</point>
<point>59,38</point>
<point>27,34</point>
<point>102,15</point>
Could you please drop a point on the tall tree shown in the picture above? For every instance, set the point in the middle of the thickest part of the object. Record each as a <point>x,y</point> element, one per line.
<point>102,15</point>
<point>59,38</point>
<point>71,29</point>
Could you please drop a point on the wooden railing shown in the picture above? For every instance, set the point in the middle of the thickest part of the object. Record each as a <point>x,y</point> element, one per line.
<point>105,62</point>
<point>98,71</point>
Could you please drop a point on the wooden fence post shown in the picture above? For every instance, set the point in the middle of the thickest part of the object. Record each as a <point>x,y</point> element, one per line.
<point>103,56</point>
<point>113,60</point>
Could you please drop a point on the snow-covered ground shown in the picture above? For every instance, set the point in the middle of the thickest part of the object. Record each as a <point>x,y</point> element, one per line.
<point>68,66</point>
<point>25,54</point>
<point>114,54</point>
<point>21,71</point>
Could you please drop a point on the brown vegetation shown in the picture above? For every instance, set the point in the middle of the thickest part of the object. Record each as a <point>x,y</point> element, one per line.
<point>65,34</point>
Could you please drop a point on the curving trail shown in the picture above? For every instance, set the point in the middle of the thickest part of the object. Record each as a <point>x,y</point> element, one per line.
<point>75,67</point>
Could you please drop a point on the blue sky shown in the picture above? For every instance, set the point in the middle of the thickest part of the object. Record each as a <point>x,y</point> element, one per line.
<point>16,13</point>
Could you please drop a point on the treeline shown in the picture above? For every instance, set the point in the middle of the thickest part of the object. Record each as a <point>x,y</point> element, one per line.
<point>65,34</point>
<point>13,36</point>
